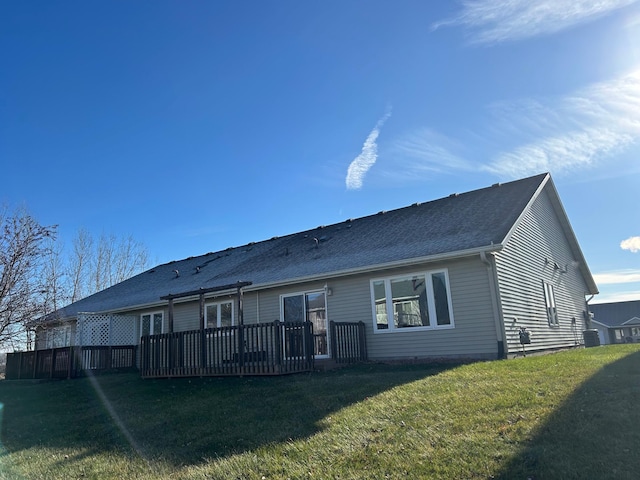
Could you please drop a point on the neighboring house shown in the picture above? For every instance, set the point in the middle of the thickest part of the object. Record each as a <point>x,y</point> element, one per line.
<point>617,322</point>
<point>450,278</point>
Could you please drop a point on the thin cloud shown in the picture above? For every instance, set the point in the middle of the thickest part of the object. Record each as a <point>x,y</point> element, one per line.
<point>367,158</point>
<point>496,21</point>
<point>617,297</point>
<point>593,124</point>
<point>632,244</point>
<point>616,277</point>
<point>421,152</point>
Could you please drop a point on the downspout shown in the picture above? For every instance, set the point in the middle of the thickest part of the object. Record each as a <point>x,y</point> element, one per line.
<point>587,318</point>
<point>497,313</point>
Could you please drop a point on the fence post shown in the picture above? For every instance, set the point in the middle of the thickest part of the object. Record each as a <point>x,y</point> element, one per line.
<point>278,344</point>
<point>334,343</point>
<point>241,348</point>
<point>35,363</point>
<point>363,341</point>
<point>203,349</point>
<point>311,345</point>
<point>19,365</point>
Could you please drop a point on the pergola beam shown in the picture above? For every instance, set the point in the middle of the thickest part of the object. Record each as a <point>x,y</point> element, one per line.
<point>231,286</point>
<point>238,286</point>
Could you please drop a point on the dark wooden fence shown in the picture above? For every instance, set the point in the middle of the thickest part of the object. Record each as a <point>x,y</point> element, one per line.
<point>263,349</point>
<point>69,362</point>
<point>348,342</point>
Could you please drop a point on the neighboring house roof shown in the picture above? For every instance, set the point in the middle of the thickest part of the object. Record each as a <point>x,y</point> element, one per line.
<point>616,314</point>
<point>454,226</point>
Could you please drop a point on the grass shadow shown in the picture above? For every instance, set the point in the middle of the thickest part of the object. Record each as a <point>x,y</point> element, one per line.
<point>595,433</point>
<point>183,422</point>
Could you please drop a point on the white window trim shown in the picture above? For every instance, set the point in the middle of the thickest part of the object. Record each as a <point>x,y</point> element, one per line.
<point>431,303</point>
<point>550,303</point>
<point>151,315</point>
<point>304,293</point>
<point>218,303</point>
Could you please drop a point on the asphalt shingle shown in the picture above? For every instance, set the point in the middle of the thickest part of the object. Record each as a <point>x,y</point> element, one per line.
<point>455,223</point>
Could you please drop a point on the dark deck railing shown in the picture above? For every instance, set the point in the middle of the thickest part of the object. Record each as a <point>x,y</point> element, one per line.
<point>69,362</point>
<point>348,342</point>
<point>261,349</point>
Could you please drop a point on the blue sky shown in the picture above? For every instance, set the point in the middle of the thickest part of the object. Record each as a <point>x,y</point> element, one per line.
<point>199,125</point>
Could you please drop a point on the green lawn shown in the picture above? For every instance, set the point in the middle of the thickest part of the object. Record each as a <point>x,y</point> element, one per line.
<point>567,415</point>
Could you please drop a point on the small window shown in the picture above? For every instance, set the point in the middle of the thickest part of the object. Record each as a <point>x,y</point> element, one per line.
<point>413,301</point>
<point>151,323</point>
<point>217,315</point>
<point>550,303</point>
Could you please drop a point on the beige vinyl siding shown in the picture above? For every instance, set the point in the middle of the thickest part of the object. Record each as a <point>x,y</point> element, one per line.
<point>474,334</point>
<point>521,270</point>
<point>186,316</point>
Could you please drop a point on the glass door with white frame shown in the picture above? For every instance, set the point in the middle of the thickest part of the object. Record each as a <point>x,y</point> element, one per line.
<point>311,307</point>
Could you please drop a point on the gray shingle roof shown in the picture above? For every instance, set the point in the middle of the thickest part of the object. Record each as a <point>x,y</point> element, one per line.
<point>457,223</point>
<point>616,313</point>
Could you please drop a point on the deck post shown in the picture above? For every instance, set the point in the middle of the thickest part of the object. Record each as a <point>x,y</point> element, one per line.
<point>334,343</point>
<point>69,361</point>
<point>19,365</point>
<point>35,363</point>
<point>278,339</point>
<point>363,341</point>
<point>202,325</point>
<point>241,348</point>
<point>203,349</point>
<point>170,315</point>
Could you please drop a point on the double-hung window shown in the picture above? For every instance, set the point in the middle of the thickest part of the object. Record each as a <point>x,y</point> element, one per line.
<point>415,301</point>
<point>151,323</point>
<point>550,303</point>
<point>219,314</point>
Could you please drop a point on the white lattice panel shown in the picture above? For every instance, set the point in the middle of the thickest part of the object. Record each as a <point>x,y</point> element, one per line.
<point>123,329</point>
<point>105,330</point>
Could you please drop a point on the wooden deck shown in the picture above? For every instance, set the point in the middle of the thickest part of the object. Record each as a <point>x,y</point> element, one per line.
<point>275,348</point>
<point>260,349</point>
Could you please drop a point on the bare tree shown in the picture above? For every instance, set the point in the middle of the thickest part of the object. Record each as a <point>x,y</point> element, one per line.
<point>54,293</point>
<point>23,248</point>
<point>79,269</point>
<point>95,266</point>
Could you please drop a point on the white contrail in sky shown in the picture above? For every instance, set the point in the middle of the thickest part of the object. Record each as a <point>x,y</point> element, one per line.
<point>363,162</point>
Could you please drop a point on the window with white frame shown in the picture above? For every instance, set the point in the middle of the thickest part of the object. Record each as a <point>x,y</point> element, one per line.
<point>218,314</point>
<point>151,323</point>
<point>550,303</point>
<point>414,301</point>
